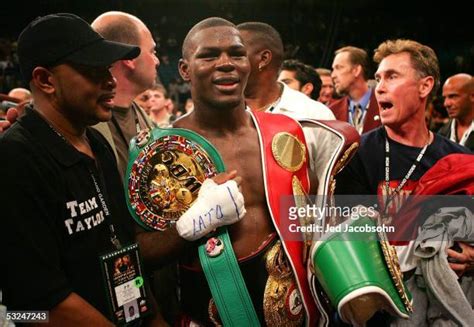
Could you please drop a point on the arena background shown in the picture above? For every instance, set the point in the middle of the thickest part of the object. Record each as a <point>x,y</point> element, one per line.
<point>311,30</point>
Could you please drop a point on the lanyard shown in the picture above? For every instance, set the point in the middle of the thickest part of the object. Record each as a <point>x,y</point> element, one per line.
<point>407,176</point>
<point>113,238</point>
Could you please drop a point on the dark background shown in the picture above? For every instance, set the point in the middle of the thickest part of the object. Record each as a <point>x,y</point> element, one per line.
<point>311,30</point>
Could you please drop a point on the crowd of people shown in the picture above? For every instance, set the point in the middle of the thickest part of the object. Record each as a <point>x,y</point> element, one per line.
<point>93,92</point>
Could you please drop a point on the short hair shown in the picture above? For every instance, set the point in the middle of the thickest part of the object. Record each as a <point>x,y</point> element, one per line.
<point>423,58</point>
<point>358,56</point>
<point>203,24</point>
<point>323,72</point>
<point>266,37</point>
<point>161,88</point>
<point>119,27</point>
<point>304,74</point>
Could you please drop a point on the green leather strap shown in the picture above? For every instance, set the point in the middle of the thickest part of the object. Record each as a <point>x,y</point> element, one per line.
<point>348,260</point>
<point>227,285</point>
<point>222,271</point>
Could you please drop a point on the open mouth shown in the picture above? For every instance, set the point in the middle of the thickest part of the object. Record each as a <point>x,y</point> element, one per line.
<point>385,105</point>
<point>226,81</point>
<point>107,100</point>
<point>226,85</point>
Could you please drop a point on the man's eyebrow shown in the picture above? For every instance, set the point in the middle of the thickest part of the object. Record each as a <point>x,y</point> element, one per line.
<point>386,72</point>
<point>216,49</point>
<point>231,47</point>
<point>208,48</point>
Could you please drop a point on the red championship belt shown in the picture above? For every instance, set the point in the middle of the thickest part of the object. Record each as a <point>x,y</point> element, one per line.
<point>284,157</point>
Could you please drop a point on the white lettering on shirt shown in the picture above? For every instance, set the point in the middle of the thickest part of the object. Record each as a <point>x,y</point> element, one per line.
<point>82,221</point>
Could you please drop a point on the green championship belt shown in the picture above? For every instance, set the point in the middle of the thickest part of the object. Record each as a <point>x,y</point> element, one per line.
<point>359,272</point>
<point>165,172</point>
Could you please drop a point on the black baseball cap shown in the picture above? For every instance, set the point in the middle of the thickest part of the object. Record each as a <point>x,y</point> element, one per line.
<point>66,38</point>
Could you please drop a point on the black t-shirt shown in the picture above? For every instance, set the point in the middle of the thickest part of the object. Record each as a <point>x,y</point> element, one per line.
<point>365,174</point>
<point>53,227</point>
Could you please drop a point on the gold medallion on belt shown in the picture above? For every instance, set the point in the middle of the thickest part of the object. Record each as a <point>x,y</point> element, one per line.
<point>288,151</point>
<point>282,302</point>
<point>165,179</point>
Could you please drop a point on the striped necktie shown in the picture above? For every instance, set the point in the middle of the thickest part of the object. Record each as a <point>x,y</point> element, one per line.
<point>357,118</point>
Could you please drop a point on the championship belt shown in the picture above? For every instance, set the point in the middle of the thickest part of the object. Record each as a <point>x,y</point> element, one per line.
<point>282,304</point>
<point>359,271</point>
<point>165,171</point>
<point>284,164</point>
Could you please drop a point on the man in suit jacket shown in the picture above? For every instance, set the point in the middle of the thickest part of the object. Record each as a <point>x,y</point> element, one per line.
<point>350,75</point>
<point>458,93</point>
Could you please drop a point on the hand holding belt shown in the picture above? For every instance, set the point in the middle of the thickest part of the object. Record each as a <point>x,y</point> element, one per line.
<point>169,171</point>
<point>216,206</point>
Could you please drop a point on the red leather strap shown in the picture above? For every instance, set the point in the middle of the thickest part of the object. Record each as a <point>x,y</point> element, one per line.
<point>278,183</point>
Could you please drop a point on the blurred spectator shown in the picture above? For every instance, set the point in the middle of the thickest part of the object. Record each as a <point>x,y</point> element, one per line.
<point>158,104</point>
<point>20,93</point>
<point>142,99</point>
<point>326,95</point>
<point>350,73</point>
<point>300,77</point>
<point>458,93</point>
<point>189,105</point>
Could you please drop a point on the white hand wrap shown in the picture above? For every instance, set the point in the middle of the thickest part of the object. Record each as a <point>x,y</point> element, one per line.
<point>215,206</point>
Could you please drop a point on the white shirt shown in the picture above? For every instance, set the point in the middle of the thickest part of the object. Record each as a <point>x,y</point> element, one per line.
<point>464,137</point>
<point>298,105</point>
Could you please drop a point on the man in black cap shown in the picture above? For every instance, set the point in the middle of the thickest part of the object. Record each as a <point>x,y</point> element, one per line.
<point>63,200</point>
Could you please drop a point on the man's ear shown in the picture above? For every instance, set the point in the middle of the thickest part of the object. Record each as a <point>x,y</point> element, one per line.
<point>43,80</point>
<point>183,68</point>
<point>265,59</point>
<point>129,63</point>
<point>307,89</point>
<point>425,86</point>
<point>357,70</point>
